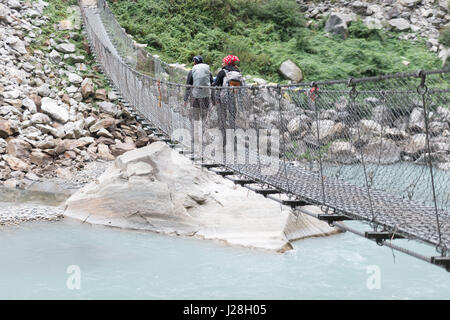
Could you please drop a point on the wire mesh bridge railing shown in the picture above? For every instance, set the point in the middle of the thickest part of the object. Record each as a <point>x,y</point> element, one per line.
<point>371,149</point>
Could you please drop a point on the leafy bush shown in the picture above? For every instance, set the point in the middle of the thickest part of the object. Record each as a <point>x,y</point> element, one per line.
<point>263,34</point>
<point>358,30</point>
<point>444,37</point>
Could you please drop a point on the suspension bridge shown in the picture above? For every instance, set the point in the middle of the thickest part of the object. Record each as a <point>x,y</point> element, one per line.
<point>374,150</point>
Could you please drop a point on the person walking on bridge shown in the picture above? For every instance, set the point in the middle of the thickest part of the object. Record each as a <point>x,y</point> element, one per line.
<point>229,77</point>
<point>198,79</point>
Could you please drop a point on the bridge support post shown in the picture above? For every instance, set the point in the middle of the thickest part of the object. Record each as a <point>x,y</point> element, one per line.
<point>442,261</point>
<point>330,218</point>
<point>379,236</point>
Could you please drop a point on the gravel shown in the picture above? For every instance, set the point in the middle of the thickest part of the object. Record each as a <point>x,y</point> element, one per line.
<point>13,214</point>
<point>88,174</point>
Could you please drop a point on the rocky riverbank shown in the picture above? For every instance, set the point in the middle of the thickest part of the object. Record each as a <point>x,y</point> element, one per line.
<point>413,18</point>
<point>384,138</point>
<point>57,113</point>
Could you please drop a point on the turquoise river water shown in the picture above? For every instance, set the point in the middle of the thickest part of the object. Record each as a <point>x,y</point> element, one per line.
<point>119,264</point>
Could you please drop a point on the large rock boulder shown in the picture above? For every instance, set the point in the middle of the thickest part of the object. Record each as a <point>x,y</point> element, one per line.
<point>66,145</point>
<point>108,107</point>
<point>30,105</point>
<point>342,152</point>
<point>359,7</point>
<point>13,94</point>
<point>40,118</point>
<point>7,128</point>
<point>66,47</point>
<point>40,158</point>
<point>87,88</point>
<point>328,130</point>
<point>416,145</point>
<point>3,145</point>
<point>155,188</point>
<point>369,127</point>
<point>50,107</point>
<point>383,151</point>
<point>44,90</point>
<point>55,57</point>
<point>395,134</point>
<point>18,148</point>
<point>410,3</point>
<point>31,133</point>
<point>444,5</point>
<point>4,12</point>
<point>74,130</point>
<point>417,121</point>
<point>121,147</point>
<point>48,143</point>
<point>291,71</point>
<point>74,78</point>
<point>102,124</point>
<point>101,94</point>
<point>15,163</point>
<point>14,4</point>
<point>399,24</point>
<point>298,125</point>
<point>104,152</point>
<point>382,115</point>
<point>336,24</point>
<point>437,128</point>
<point>17,44</point>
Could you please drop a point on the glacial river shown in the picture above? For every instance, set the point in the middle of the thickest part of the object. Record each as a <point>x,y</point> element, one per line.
<point>118,264</point>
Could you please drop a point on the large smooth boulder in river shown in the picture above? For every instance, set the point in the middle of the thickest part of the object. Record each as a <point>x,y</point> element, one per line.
<point>155,188</point>
<point>291,71</point>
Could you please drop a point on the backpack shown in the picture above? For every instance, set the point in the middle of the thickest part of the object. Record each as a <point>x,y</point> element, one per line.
<point>233,79</point>
<point>201,77</point>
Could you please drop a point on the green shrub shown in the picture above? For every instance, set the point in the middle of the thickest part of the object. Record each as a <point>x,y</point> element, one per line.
<point>263,34</point>
<point>444,37</point>
<point>358,30</point>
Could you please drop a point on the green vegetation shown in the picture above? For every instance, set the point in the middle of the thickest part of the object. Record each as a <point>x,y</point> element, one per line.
<point>444,36</point>
<point>309,154</point>
<point>264,33</point>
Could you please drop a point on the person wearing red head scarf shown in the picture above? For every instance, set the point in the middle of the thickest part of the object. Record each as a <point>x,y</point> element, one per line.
<point>227,100</point>
<point>228,64</point>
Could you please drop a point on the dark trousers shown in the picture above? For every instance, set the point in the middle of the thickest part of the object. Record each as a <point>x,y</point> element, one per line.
<point>199,113</point>
<point>226,116</point>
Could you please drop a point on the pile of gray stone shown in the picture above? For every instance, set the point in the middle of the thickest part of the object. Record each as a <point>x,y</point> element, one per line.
<point>385,137</point>
<point>55,116</point>
<point>376,128</point>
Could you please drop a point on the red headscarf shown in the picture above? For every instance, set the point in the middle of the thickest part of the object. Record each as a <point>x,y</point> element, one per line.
<point>230,60</point>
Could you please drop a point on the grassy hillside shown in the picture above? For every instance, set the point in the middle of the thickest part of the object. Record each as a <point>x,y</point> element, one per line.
<point>264,33</point>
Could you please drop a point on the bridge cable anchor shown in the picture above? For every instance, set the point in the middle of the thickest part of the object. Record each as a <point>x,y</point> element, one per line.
<point>331,218</point>
<point>442,261</point>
